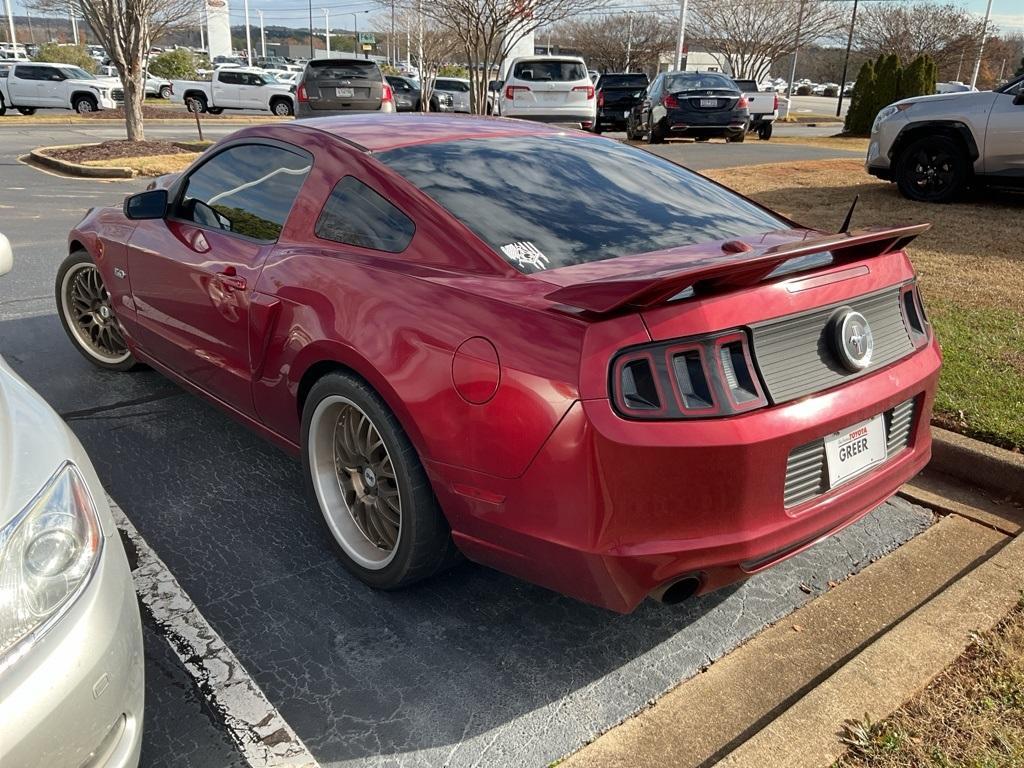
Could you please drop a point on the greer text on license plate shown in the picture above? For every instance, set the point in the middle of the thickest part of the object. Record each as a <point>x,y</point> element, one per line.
<point>854,449</point>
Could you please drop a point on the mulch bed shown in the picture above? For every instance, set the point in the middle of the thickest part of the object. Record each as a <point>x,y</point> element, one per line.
<point>155,113</point>
<point>114,149</point>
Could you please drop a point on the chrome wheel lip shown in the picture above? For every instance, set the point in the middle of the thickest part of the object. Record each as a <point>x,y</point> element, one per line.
<point>333,487</point>
<point>103,308</point>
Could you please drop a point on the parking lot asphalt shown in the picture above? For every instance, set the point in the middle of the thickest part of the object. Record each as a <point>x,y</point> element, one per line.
<point>471,668</point>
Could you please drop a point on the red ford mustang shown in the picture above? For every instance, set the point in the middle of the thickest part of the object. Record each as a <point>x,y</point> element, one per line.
<point>559,355</point>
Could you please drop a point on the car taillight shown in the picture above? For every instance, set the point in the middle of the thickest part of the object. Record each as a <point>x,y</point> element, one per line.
<point>913,314</point>
<point>510,90</point>
<point>600,99</point>
<point>669,101</point>
<point>387,94</point>
<point>701,377</point>
<point>588,88</point>
<point>776,106</point>
<point>742,103</point>
<point>300,93</point>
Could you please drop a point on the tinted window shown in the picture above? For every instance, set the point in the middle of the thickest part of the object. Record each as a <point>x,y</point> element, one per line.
<point>698,81</point>
<point>574,200</point>
<point>248,190</point>
<point>456,86</point>
<point>334,70</point>
<point>547,70</point>
<point>30,73</point>
<point>746,85</point>
<point>356,215</point>
<point>622,81</point>
<point>229,78</point>
<point>76,73</point>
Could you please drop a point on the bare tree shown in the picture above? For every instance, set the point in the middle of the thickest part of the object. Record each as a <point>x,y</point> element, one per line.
<point>488,30</point>
<point>610,43</point>
<point>947,33</point>
<point>755,34</point>
<point>127,30</point>
<point>437,43</point>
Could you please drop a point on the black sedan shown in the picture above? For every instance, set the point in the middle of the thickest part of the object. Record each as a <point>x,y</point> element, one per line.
<point>407,96</point>
<point>700,105</point>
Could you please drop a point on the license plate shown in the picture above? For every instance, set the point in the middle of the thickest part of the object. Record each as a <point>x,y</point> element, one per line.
<point>626,114</point>
<point>709,102</point>
<point>855,449</point>
<point>344,93</point>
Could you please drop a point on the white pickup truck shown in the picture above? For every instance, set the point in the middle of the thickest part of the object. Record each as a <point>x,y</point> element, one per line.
<point>32,85</point>
<point>235,88</point>
<point>763,107</point>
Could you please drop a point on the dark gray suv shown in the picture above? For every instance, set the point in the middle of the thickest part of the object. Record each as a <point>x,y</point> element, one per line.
<point>339,85</point>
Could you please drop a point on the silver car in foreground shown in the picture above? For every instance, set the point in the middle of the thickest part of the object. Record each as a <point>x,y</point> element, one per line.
<point>934,147</point>
<point>71,661</point>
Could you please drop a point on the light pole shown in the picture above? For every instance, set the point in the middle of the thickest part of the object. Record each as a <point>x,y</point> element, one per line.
<point>796,50</point>
<point>10,23</point>
<point>248,37</point>
<point>355,34</point>
<point>202,31</point>
<point>310,29</point>
<point>981,48</point>
<point>682,34</point>
<point>74,22</point>
<point>327,29</point>
<point>629,41</point>
<point>846,61</point>
<point>263,36</point>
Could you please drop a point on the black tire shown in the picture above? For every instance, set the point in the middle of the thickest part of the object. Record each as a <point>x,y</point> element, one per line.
<point>79,261</point>
<point>3,107</point>
<point>631,135</point>
<point>282,107</point>
<point>764,133</point>
<point>215,110</point>
<point>655,133</point>
<point>165,92</point>
<point>196,104</point>
<point>27,111</point>
<point>84,104</point>
<point>424,546</point>
<point>932,169</point>
<point>700,139</point>
<point>596,128</point>
<point>737,138</point>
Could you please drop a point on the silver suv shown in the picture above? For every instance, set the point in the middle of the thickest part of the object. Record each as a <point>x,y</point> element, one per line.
<point>934,147</point>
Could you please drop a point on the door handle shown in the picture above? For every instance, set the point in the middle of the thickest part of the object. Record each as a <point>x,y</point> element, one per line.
<point>229,281</point>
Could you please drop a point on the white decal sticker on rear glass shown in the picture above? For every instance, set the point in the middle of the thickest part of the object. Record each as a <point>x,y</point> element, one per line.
<point>525,254</point>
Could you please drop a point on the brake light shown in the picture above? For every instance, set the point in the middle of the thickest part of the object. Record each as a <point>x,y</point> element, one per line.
<point>510,90</point>
<point>914,316</point>
<point>702,377</point>
<point>387,94</point>
<point>588,88</point>
<point>600,99</point>
<point>669,101</point>
<point>742,103</point>
<point>300,93</point>
<point>776,106</point>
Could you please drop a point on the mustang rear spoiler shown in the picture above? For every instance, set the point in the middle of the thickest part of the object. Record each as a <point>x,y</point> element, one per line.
<point>738,264</point>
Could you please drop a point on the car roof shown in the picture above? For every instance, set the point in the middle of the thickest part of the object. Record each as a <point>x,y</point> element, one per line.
<point>379,132</point>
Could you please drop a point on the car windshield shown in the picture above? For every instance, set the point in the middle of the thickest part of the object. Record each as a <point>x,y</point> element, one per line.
<point>548,70</point>
<point>572,200</point>
<point>333,70</point>
<point>746,85</point>
<point>269,79</point>
<point>698,81</point>
<point>76,73</point>
<point>456,86</point>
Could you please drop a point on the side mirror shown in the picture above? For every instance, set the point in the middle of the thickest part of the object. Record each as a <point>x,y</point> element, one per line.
<point>151,204</point>
<point>6,257</point>
<point>1018,100</point>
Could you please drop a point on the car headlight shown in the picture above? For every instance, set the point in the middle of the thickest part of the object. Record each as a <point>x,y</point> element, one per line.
<point>887,112</point>
<point>47,554</point>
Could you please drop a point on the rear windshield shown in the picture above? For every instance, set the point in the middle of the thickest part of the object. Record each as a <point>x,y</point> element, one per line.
<point>746,85</point>
<point>334,70</point>
<point>456,86</point>
<point>549,201</point>
<point>549,70</point>
<point>623,81</point>
<point>698,81</point>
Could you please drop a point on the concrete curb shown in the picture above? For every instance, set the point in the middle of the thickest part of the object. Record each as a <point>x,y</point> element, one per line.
<point>978,463</point>
<point>76,169</point>
<point>890,671</point>
<point>13,121</point>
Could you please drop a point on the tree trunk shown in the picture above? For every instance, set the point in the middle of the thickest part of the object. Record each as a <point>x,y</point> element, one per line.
<point>134,95</point>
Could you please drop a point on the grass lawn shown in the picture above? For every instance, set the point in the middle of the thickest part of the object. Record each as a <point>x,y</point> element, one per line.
<point>854,144</point>
<point>971,268</point>
<point>971,716</point>
<point>149,165</point>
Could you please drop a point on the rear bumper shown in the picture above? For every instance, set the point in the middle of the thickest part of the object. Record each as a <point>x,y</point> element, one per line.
<point>576,115</point>
<point>612,510</point>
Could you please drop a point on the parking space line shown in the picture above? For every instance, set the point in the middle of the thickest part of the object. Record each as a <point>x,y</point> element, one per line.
<point>252,722</point>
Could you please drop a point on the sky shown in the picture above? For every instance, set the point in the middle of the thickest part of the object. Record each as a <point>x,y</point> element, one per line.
<point>1008,15</point>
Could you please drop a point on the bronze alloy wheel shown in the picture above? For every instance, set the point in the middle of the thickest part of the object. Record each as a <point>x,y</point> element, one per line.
<point>88,314</point>
<point>355,482</point>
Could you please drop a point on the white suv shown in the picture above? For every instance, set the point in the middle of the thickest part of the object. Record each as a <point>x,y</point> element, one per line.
<point>550,89</point>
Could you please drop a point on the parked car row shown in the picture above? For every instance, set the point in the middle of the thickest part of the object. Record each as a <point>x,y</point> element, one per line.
<point>34,85</point>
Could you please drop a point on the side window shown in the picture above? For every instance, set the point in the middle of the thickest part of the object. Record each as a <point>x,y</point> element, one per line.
<point>26,73</point>
<point>356,215</point>
<point>247,189</point>
<point>251,79</point>
<point>229,78</point>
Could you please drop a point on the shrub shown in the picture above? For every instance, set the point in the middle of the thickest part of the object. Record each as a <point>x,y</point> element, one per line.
<point>858,119</point>
<point>831,92</point>
<point>803,90</point>
<point>76,55</point>
<point>390,69</point>
<point>453,70</point>
<point>179,64</point>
